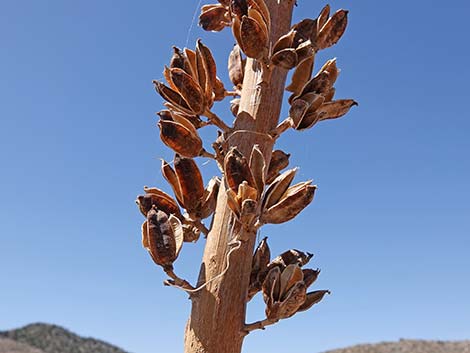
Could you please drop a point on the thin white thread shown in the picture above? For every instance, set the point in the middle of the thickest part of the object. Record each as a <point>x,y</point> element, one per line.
<point>192,22</point>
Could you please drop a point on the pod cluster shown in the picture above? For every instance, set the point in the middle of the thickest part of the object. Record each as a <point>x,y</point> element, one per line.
<point>192,83</point>
<point>250,22</point>
<point>283,282</point>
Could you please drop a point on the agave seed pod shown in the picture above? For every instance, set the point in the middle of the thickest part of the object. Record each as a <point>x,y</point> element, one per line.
<point>189,89</point>
<point>161,239</point>
<point>289,277</point>
<point>285,41</point>
<point>291,204</point>
<point>261,259</point>
<point>236,67</point>
<point>332,30</point>
<point>312,299</point>
<point>248,213</point>
<point>279,161</point>
<point>278,188</point>
<point>335,109</point>
<point>262,8</point>
<point>190,233</point>
<point>237,170</point>
<point>178,231</point>
<point>214,17</point>
<point>181,136</point>
<point>239,8</point>
<point>205,58</point>
<point>254,41</point>
<point>210,198</point>
<point>171,177</point>
<point>191,183</point>
<point>145,235</point>
<point>285,58</point>
<point>301,75</point>
<point>291,257</point>
<point>295,298</point>
<point>191,58</point>
<point>310,276</point>
<point>158,198</point>
<point>257,167</point>
<point>180,61</point>
<point>271,286</point>
<point>173,97</point>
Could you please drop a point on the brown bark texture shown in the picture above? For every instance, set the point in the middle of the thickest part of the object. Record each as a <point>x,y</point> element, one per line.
<point>217,320</point>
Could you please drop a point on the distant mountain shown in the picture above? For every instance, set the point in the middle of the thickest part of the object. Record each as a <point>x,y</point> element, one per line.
<point>409,346</point>
<point>44,338</point>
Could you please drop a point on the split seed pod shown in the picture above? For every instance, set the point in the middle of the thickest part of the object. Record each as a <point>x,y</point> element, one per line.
<point>237,170</point>
<point>295,199</point>
<point>332,30</point>
<point>214,17</point>
<point>279,161</point>
<point>157,198</point>
<point>160,239</point>
<point>236,67</point>
<point>187,184</point>
<point>180,135</point>
<point>259,267</point>
<point>291,257</point>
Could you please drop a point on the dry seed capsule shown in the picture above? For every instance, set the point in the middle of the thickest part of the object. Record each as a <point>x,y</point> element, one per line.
<point>161,239</point>
<point>295,298</point>
<point>180,139</point>
<point>237,170</point>
<point>254,40</point>
<point>279,161</point>
<point>333,30</point>
<point>312,299</point>
<point>214,19</point>
<point>190,181</point>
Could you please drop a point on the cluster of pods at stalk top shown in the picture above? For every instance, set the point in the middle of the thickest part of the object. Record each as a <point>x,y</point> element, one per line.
<point>258,191</point>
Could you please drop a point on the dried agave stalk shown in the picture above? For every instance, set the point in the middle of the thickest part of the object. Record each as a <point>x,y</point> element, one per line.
<point>253,189</point>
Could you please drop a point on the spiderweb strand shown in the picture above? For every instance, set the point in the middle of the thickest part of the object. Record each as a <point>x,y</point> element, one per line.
<point>192,22</point>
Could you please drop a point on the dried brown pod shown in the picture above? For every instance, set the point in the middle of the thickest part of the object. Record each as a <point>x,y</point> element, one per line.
<point>284,292</point>
<point>181,136</point>
<point>260,261</point>
<point>310,276</point>
<point>294,299</point>
<point>332,30</point>
<point>173,97</point>
<point>248,213</point>
<point>295,199</point>
<point>285,58</point>
<point>239,8</point>
<point>190,233</point>
<point>312,299</point>
<point>301,75</point>
<point>169,174</point>
<point>214,18</point>
<point>161,239</point>
<point>278,188</point>
<point>145,235</point>
<point>209,199</point>
<point>191,183</point>
<point>285,41</point>
<point>205,58</point>
<point>189,89</point>
<point>291,257</point>
<point>237,170</point>
<point>257,167</point>
<point>236,67</point>
<point>262,8</point>
<point>279,161</point>
<point>157,198</point>
<point>254,41</point>
<point>335,109</point>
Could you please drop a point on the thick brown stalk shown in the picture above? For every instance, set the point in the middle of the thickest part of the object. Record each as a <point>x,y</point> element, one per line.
<point>217,320</point>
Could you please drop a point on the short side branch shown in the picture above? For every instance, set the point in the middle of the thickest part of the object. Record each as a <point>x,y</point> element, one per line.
<point>258,325</point>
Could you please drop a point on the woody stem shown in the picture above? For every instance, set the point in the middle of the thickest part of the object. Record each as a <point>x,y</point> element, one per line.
<point>258,325</point>
<point>177,281</point>
<point>214,119</point>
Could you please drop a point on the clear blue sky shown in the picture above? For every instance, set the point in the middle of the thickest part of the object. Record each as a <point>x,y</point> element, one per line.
<point>390,225</point>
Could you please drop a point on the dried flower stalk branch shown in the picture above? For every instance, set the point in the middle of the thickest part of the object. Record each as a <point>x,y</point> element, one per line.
<point>253,189</point>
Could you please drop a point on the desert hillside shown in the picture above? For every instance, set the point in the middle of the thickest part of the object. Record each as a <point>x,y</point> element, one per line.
<point>44,338</point>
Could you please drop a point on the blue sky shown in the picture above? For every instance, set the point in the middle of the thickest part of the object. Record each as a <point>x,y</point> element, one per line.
<point>390,225</point>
